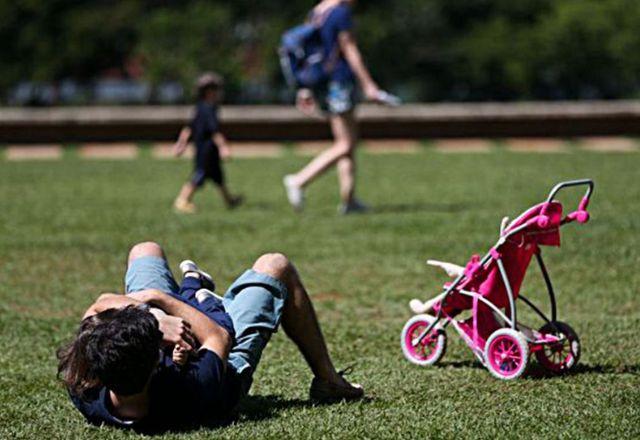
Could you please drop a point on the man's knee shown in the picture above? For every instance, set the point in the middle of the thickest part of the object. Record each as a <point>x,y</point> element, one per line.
<point>146,249</point>
<point>274,264</point>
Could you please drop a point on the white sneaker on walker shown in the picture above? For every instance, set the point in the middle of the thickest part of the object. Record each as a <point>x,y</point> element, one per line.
<point>354,207</point>
<point>188,266</point>
<point>295,193</point>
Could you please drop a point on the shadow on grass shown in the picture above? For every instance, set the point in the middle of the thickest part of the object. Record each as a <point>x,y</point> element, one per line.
<point>398,208</point>
<point>256,408</point>
<point>536,371</point>
<point>471,363</point>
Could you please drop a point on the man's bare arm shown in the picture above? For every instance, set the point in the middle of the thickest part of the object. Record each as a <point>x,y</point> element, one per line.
<point>174,330</point>
<point>110,301</point>
<point>212,336</point>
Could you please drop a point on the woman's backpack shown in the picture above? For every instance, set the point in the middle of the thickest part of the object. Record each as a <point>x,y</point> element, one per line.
<point>302,58</point>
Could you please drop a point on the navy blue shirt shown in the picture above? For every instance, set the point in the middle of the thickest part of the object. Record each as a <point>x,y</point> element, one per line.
<point>340,19</point>
<point>204,125</point>
<point>179,397</point>
<point>200,393</point>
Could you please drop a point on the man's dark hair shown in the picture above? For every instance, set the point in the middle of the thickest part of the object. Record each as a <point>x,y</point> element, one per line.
<point>117,348</point>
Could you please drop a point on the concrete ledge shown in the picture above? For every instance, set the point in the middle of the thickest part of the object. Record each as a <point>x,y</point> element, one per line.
<point>609,144</point>
<point>285,123</point>
<point>535,145</point>
<point>34,152</point>
<point>403,146</point>
<point>463,145</point>
<point>108,151</point>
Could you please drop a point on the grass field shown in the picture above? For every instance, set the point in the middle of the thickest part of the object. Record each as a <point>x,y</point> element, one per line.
<point>65,228</point>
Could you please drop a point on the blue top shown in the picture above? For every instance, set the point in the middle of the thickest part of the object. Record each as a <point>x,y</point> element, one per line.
<point>199,393</point>
<point>340,19</point>
<point>204,125</point>
<point>179,397</point>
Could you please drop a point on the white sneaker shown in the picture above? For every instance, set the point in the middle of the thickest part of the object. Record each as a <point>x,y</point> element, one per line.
<point>355,207</point>
<point>203,294</point>
<point>188,266</point>
<point>295,193</point>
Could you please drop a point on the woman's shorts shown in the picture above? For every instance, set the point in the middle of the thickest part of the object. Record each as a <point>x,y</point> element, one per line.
<point>336,98</point>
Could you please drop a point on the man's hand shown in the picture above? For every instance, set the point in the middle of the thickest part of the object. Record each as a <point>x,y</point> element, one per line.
<point>175,331</point>
<point>206,331</point>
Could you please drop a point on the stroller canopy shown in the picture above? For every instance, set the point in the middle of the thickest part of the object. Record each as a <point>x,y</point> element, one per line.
<point>539,225</point>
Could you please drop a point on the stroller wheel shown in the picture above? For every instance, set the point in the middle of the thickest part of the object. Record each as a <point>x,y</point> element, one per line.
<point>562,356</point>
<point>430,349</point>
<point>506,354</point>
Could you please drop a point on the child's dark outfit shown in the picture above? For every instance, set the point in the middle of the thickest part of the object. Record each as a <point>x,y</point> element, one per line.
<point>207,159</point>
<point>210,306</point>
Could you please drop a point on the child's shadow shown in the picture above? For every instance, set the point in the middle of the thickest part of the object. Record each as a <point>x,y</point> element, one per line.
<point>256,408</point>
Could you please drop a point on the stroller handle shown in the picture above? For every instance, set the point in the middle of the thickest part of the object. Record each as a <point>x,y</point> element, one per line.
<point>581,214</point>
<point>570,183</point>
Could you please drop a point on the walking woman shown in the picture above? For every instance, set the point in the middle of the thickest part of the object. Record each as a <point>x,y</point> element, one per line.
<point>336,98</point>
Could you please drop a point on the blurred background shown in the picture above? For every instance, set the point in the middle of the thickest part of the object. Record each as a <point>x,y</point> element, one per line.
<point>73,52</point>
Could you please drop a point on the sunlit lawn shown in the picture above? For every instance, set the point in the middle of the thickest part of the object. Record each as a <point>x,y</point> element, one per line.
<point>65,228</point>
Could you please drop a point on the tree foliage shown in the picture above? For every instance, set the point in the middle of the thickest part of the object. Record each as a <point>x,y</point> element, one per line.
<point>422,49</point>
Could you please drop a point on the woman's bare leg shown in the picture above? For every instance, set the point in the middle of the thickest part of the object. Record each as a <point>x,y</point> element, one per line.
<point>347,165</point>
<point>344,136</point>
<point>347,178</point>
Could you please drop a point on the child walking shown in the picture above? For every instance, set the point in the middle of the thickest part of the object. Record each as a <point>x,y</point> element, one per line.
<point>211,145</point>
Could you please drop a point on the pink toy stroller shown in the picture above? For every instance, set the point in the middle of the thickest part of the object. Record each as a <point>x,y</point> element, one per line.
<point>492,284</point>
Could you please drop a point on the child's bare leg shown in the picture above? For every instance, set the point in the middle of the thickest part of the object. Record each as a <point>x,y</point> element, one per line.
<point>187,191</point>
<point>183,201</point>
<point>299,319</point>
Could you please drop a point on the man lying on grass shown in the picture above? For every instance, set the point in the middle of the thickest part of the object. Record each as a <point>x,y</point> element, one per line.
<point>119,368</point>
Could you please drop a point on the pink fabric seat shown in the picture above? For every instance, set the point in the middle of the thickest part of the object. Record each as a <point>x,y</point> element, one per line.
<point>540,227</point>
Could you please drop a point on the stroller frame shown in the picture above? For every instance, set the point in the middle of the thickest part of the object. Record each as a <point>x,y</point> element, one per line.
<point>556,332</point>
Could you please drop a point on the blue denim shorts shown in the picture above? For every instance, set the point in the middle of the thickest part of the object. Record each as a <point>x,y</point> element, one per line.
<point>254,301</point>
<point>336,98</point>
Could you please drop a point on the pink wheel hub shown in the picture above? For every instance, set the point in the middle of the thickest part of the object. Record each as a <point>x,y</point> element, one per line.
<point>505,356</point>
<point>427,348</point>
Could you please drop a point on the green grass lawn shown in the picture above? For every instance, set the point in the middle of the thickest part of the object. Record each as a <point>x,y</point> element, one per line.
<point>65,228</point>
